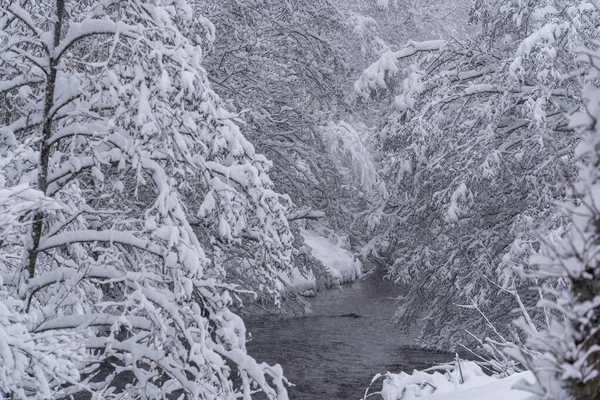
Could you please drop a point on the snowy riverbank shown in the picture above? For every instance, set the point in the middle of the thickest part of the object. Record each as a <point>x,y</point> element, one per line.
<point>467,383</point>
<point>340,262</point>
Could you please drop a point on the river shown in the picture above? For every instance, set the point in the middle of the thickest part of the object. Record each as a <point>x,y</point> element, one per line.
<point>328,356</point>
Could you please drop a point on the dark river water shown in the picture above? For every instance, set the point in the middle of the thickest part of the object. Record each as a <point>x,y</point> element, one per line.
<point>328,356</point>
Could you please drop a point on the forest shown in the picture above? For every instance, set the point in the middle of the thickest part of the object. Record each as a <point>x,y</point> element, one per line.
<point>172,169</point>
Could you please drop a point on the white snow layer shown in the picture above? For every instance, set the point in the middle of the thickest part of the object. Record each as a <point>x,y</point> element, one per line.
<point>489,389</point>
<point>339,261</point>
<point>437,386</point>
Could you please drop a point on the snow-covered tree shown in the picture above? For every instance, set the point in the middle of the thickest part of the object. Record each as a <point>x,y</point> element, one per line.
<point>568,350</point>
<point>277,64</point>
<point>400,20</point>
<point>476,150</point>
<point>124,184</point>
<point>284,67</point>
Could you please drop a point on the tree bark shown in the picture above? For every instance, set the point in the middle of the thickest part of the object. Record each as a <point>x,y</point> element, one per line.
<point>37,226</point>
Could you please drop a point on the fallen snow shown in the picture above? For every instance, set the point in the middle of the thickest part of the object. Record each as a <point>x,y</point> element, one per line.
<point>468,383</point>
<point>340,262</point>
<point>488,389</point>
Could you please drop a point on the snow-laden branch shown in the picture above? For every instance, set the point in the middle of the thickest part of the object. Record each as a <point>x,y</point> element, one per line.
<point>90,27</point>
<point>142,352</point>
<point>305,213</point>
<point>19,81</point>
<point>248,365</point>
<point>77,128</point>
<point>374,76</point>
<point>484,88</point>
<point>413,48</point>
<point>107,236</point>
<point>74,166</point>
<point>25,17</point>
<point>84,321</point>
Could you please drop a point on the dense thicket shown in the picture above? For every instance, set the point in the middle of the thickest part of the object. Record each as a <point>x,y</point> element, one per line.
<point>285,67</point>
<point>281,66</point>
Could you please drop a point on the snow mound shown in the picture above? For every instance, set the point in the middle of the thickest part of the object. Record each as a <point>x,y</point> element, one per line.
<point>340,262</point>
<point>468,382</point>
<point>490,389</point>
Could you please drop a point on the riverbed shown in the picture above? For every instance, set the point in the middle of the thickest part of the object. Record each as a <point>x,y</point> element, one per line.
<point>349,337</point>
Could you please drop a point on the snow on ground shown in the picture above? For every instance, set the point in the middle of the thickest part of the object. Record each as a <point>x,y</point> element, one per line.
<point>488,389</point>
<point>339,261</point>
<point>306,284</point>
<point>447,386</point>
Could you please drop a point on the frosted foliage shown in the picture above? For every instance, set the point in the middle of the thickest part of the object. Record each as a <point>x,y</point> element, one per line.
<point>476,152</point>
<point>124,187</point>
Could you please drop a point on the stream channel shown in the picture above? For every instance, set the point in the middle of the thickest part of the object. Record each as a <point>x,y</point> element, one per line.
<point>329,356</point>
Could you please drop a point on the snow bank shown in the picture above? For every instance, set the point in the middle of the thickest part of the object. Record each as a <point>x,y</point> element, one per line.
<point>489,389</point>
<point>467,383</point>
<point>305,284</point>
<point>340,262</point>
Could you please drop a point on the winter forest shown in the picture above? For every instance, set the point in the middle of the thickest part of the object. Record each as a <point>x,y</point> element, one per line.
<point>213,199</point>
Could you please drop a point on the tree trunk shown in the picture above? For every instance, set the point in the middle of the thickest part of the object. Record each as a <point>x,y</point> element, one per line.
<point>35,233</point>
